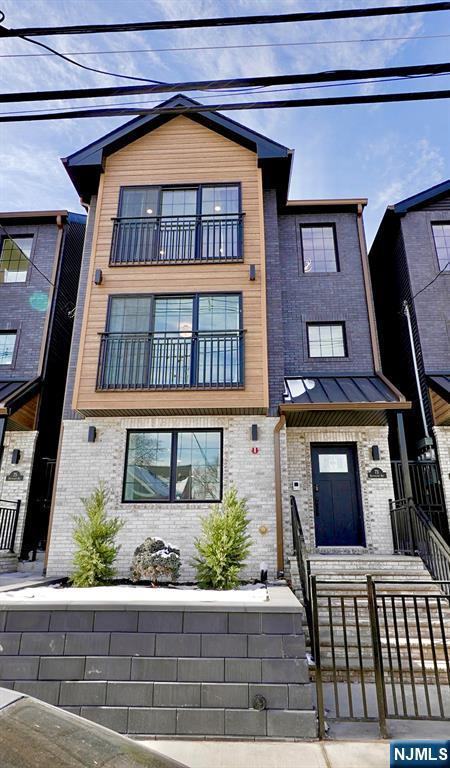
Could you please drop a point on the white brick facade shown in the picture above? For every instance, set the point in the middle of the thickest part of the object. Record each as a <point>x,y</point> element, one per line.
<point>375,492</point>
<point>17,489</point>
<point>83,465</point>
<point>442,435</point>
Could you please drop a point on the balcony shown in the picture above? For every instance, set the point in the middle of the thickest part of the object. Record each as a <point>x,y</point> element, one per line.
<point>186,360</point>
<point>177,239</point>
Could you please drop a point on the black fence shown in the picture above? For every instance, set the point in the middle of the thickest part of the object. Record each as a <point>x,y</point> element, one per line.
<point>187,360</point>
<point>300,553</point>
<point>381,651</point>
<point>9,515</point>
<point>427,491</point>
<point>177,239</point>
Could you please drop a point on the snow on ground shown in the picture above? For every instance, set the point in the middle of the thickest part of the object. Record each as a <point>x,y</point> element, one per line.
<point>134,594</point>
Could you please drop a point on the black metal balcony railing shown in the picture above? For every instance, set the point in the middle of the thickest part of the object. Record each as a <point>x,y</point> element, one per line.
<point>9,515</point>
<point>187,360</point>
<point>177,239</point>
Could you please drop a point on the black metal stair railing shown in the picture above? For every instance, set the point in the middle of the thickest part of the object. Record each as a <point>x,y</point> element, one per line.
<point>302,559</point>
<point>177,239</point>
<point>9,516</point>
<point>415,534</point>
<point>186,360</point>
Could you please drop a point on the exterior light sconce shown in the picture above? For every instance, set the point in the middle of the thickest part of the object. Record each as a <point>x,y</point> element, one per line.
<point>252,272</point>
<point>92,434</point>
<point>98,277</point>
<point>375,451</point>
<point>254,432</point>
<point>15,456</point>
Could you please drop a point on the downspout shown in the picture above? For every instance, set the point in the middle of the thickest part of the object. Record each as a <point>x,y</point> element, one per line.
<point>278,494</point>
<point>407,314</point>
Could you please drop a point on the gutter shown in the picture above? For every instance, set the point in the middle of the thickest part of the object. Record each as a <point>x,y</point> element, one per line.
<point>278,494</point>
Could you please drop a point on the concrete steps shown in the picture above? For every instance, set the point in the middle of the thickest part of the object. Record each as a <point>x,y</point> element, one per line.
<point>8,562</point>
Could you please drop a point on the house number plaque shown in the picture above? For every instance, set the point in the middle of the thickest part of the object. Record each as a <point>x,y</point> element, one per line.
<point>376,472</point>
<point>14,475</point>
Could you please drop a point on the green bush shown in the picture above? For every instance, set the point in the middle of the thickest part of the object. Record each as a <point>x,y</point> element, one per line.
<point>155,560</point>
<point>94,535</point>
<point>225,544</point>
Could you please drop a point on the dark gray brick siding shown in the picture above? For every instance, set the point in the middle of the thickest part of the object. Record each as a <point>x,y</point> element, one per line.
<point>295,298</point>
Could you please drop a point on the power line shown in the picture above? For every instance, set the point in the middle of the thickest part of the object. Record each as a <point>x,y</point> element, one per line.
<point>444,269</point>
<point>227,21</point>
<point>280,104</point>
<point>244,92</point>
<point>240,82</point>
<point>222,47</point>
<point>82,66</point>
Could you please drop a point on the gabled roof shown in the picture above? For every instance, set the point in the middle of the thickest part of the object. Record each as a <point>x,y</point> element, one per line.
<point>85,166</point>
<point>433,193</point>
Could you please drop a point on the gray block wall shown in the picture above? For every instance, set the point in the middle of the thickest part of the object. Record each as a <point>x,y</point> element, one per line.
<point>165,672</point>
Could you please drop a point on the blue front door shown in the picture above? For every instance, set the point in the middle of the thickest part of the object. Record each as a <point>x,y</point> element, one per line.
<point>337,498</point>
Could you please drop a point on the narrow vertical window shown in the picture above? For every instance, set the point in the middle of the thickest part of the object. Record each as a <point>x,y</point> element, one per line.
<point>7,345</point>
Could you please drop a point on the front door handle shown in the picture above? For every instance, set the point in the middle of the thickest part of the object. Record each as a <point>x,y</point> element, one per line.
<point>316,501</point>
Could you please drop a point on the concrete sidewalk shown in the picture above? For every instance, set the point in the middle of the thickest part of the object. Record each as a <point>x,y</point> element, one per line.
<point>247,754</point>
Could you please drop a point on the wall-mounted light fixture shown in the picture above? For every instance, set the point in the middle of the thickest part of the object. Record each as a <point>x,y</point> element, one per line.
<point>98,277</point>
<point>375,451</point>
<point>254,431</point>
<point>252,272</point>
<point>92,434</point>
<point>15,456</point>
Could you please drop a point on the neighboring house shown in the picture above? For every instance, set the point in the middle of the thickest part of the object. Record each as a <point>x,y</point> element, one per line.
<point>205,309</point>
<point>40,257</point>
<point>410,265</point>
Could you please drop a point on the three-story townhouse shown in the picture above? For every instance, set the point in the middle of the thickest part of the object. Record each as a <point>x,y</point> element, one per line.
<point>410,266</point>
<point>40,257</point>
<point>168,396</point>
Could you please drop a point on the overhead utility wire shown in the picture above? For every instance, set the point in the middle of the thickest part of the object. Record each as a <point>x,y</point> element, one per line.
<point>222,47</point>
<point>280,104</point>
<point>237,92</point>
<point>227,21</point>
<point>240,82</point>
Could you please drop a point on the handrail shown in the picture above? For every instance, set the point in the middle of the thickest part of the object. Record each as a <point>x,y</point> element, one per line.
<point>9,516</point>
<point>414,533</point>
<point>300,552</point>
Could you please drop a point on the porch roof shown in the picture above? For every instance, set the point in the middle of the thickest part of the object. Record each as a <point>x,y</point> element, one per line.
<point>339,400</point>
<point>441,383</point>
<point>14,392</point>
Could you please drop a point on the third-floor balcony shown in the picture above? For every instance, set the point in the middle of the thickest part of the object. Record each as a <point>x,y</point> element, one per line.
<point>177,239</point>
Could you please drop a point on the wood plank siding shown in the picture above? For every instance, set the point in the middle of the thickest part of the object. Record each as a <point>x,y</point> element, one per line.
<point>441,409</point>
<point>179,152</point>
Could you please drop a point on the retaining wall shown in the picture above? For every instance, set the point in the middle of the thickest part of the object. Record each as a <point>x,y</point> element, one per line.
<point>166,670</point>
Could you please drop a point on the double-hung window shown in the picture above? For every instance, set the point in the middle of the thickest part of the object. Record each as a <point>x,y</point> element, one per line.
<point>7,346</point>
<point>178,224</point>
<point>15,259</point>
<point>319,250</point>
<point>173,466</point>
<point>185,341</point>
<point>326,340</point>
<point>441,234</point>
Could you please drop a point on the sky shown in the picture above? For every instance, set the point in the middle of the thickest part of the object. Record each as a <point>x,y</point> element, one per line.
<point>384,152</point>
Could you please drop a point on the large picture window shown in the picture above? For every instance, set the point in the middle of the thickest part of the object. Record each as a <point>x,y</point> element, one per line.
<point>14,259</point>
<point>173,466</point>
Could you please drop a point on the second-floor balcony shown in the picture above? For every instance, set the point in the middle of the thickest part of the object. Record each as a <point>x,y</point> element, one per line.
<point>177,239</point>
<point>186,360</point>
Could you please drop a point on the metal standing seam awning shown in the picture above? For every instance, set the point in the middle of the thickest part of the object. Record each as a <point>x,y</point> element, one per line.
<point>316,401</point>
<point>14,393</point>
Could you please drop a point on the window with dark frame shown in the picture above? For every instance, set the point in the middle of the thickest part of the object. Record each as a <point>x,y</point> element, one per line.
<point>15,258</point>
<point>441,234</point>
<point>173,341</point>
<point>163,224</point>
<point>318,244</point>
<point>173,466</point>
<point>7,346</point>
<point>326,340</point>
